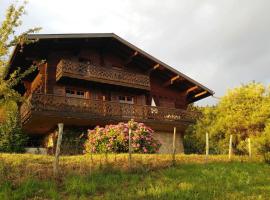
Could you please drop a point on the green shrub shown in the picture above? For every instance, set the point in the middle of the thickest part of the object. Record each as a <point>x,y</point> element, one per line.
<point>114,138</point>
<point>12,138</point>
<point>264,143</point>
<point>73,141</point>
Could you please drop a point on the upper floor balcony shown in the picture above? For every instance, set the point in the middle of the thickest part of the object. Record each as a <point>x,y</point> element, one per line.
<point>89,72</point>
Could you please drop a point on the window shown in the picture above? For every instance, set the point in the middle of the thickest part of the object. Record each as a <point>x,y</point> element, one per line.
<point>126,99</point>
<point>80,93</point>
<point>70,92</point>
<point>121,98</point>
<point>75,93</point>
<point>86,61</point>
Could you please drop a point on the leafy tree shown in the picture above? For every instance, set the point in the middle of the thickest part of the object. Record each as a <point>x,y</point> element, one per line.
<point>194,139</point>
<point>12,138</point>
<point>10,131</point>
<point>263,143</point>
<point>243,112</point>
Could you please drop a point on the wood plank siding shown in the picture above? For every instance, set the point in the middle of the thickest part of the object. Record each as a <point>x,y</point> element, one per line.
<point>94,79</point>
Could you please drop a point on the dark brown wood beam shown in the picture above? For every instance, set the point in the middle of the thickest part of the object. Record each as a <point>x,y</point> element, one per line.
<point>131,57</point>
<point>156,66</point>
<point>200,94</point>
<point>192,89</point>
<point>172,80</point>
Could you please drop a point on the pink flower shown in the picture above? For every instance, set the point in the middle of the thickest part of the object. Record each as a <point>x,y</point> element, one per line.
<point>144,150</point>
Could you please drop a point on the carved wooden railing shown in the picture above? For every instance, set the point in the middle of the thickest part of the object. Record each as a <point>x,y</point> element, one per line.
<point>36,85</point>
<point>73,69</point>
<point>26,108</point>
<point>102,109</point>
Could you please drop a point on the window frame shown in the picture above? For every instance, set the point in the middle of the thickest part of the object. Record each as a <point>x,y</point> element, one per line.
<point>125,99</point>
<point>76,93</point>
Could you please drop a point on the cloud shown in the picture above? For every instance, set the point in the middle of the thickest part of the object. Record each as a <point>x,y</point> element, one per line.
<point>218,43</point>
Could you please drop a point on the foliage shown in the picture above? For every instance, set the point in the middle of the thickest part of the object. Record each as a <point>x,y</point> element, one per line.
<point>73,141</point>
<point>243,112</point>
<point>194,139</point>
<point>8,40</point>
<point>263,143</point>
<point>11,138</point>
<point>114,138</point>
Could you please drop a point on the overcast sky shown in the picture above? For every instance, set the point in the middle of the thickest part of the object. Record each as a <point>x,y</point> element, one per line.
<point>219,43</point>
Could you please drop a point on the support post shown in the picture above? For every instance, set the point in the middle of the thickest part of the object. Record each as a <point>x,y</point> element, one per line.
<point>249,147</point>
<point>57,152</point>
<point>230,147</point>
<point>174,148</point>
<point>129,148</point>
<point>91,154</point>
<point>206,146</point>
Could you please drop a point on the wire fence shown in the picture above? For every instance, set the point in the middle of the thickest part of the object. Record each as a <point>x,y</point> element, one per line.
<point>125,161</point>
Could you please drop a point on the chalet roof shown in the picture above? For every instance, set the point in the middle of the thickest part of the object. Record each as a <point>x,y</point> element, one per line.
<point>207,91</point>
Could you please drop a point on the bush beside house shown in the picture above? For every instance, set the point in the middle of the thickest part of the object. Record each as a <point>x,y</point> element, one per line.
<point>12,138</point>
<point>115,138</point>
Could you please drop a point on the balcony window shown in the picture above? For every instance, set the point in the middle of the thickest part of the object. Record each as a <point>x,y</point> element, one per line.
<point>75,93</point>
<point>126,99</point>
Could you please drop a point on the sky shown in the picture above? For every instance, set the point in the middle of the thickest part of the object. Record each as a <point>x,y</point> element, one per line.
<point>219,43</point>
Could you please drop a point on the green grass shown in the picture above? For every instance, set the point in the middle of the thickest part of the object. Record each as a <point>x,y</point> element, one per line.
<point>189,179</point>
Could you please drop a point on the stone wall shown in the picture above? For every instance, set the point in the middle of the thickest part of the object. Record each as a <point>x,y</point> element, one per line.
<point>166,139</point>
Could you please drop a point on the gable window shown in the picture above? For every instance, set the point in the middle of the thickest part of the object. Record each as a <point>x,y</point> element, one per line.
<point>75,93</point>
<point>126,99</point>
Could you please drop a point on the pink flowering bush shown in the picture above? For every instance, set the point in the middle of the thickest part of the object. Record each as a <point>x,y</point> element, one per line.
<point>114,138</point>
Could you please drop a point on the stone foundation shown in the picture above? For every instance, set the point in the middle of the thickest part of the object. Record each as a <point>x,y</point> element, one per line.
<point>166,140</point>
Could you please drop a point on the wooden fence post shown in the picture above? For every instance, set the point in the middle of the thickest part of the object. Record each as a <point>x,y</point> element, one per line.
<point>174,148</point>
<point>129,148</point>
<point>91,154</point>
<point>206,146</point>
<point>249,147</point>
<point>57,152</point>
<point>230,147</point>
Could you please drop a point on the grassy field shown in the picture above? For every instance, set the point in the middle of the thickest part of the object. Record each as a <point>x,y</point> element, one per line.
<point>151,177</point>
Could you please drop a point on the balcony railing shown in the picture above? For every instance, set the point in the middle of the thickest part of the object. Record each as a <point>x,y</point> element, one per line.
<point>78,70</point>
<point>102,109</point>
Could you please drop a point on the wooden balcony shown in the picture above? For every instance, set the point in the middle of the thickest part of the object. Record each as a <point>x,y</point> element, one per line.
<point>71,107</point>
<point>78,70</point>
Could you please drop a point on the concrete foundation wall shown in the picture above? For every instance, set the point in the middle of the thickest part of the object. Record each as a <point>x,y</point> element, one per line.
<point>166,140</point>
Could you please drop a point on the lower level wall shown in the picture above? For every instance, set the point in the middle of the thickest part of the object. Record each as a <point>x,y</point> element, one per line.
<point>166,140</point>
<point>71,144</point>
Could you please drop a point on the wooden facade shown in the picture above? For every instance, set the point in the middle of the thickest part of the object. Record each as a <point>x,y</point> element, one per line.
<point>96,79</point>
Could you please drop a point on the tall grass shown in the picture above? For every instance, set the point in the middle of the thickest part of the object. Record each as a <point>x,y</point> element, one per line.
<point>152,177</point>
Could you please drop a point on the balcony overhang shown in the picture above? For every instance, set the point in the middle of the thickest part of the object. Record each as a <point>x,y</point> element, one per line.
<point>42,112</point>
<point>88,72</point>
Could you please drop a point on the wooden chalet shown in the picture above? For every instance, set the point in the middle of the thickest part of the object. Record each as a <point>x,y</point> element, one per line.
<point>98,79</point>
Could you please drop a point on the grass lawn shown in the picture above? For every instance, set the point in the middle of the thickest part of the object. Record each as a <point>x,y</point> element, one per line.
<point>152,177</point>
